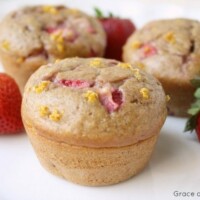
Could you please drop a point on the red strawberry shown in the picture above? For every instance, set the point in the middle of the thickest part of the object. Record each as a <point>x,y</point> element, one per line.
<point>10,106</point>
<point>198,127</point>
<point>117,31</point>
<point>193,122</point>
<point>75,83</point>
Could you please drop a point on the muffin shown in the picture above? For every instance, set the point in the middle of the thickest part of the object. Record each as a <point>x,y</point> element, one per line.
<point>170,51</point>
<point>93,121</point>
<point>34,36</point>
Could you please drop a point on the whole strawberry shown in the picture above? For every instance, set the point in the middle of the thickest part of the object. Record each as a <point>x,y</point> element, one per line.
<point>10,106</point>
<point>117,31</point>
<point>193,122</point>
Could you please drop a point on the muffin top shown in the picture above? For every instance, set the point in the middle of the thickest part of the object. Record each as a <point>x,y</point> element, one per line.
<point>168,49</point>
<point>94,102</point>
<point>52,32</point>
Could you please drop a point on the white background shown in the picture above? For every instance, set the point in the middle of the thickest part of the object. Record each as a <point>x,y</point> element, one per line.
<point>175,164</point>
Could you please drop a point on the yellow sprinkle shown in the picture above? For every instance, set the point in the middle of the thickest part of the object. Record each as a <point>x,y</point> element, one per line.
<point>96,63</point>
<point>125,66</point>
<point>60,39</point>
<point>167,98</point>
<point>91,96</point>
<point>54,36</point>
<point>145,93</point>
<point>137,74</point>
<point>136,44</point>
<point>55,116</point>
<point>6,45</point>
<point>20,60</point>
<point>57,60</point>
<point>60,47</point>
<point>140,65</point>
<point>169,37</point>
<point>50,9</point>
<point>134,70</point>
<point>57,36</point>
<point>41,87</point>
<point>73,11</point>
<point>44,111</point>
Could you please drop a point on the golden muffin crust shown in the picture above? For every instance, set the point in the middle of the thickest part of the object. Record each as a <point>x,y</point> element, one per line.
<point>94,103</point>
<point>33,36</point>
<point>169,50</point>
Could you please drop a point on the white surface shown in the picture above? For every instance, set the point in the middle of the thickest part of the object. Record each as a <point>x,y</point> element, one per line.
<point>175,164</point>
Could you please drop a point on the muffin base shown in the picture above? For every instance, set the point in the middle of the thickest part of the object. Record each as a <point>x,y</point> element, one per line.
<point>91,166</point>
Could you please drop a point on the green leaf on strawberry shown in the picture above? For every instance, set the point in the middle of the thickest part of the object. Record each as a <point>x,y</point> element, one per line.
<point>193,123</point>
<point>196,82</point>
<point>98,13</point>
<point>197,93</point>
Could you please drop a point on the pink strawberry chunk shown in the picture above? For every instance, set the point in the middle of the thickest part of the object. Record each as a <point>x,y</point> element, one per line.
<point>117,97</point>
<point>149,50</point>
<point>111,101</point>
<point>75,83</point>
<point>51,29</point>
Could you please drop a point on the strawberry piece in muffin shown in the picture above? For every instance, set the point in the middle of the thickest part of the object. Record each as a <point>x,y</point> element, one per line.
<point>148,50</point>
<point>111,100</point>
<point>75,83</point>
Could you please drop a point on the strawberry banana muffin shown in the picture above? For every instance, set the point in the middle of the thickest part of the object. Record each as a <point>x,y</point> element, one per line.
<point>33,36</point>
<point>169,50</point>
<point>93,121</point>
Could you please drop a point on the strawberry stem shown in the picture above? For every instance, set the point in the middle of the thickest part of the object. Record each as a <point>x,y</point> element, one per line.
<point>98,13</point>
<point>194,110</point>
<point>191,123</point>
<point>110,15</point>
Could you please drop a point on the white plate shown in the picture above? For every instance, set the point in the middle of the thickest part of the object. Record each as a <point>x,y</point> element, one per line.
<point>175,164</point>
